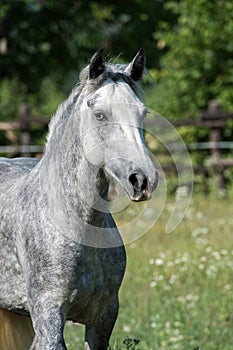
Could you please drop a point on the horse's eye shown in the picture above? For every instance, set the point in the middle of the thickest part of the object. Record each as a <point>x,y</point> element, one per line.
<point>100,116</point>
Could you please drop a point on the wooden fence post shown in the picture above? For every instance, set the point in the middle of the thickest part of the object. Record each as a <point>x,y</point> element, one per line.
<point>24,120</point>
<point>214,107</point>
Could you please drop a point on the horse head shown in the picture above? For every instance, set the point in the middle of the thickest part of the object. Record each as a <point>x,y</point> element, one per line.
<point>112,125</point>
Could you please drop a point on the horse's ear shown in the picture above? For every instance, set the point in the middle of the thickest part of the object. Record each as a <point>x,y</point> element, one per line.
<point>136,67</point>
<point>96,66</point>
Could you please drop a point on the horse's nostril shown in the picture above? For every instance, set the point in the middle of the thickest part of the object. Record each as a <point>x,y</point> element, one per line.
<point>138,181</point>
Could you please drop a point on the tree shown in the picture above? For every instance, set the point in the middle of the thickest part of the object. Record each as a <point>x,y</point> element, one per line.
<point>46,43</point>
<point>198,62</point>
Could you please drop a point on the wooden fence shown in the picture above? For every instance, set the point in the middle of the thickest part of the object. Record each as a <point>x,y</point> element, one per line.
<point>19,133</point>
<point>215,119</point>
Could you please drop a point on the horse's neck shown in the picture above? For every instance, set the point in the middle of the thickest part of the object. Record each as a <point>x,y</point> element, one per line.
<point>72,182</point>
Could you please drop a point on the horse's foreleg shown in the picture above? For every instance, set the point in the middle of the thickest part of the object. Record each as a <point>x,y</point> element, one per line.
<point>16,332</point>
<point>97,335</point>
<point>48,322</point>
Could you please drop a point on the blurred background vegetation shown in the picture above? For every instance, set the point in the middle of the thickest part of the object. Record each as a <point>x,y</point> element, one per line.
<point>45,43</point>
<point>188,45</point>
<point>48,42</point>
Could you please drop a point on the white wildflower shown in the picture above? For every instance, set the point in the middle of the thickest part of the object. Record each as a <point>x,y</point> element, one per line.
<point>203,258</point>
<point>177,324</point>
<point>126,328</point>
<point>200,230</point>
<point>201,241</point>
<point>177,261</point>
<point>208,249</point>
<point>181,299</point>
<point>176,339</point>
<point>159,262</point>
<point>153,284</point>
<point>227,287</point>
<point>216,255</point>
<point>192,297</point>
<point>173,278</point>
<point>185,257</point>
<point>160,278</point>
<point>224,252</point>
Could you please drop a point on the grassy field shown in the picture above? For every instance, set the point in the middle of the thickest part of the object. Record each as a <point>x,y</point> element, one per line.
<point>177,292</point>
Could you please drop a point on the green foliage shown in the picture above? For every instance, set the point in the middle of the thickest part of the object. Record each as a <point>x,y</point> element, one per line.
<point>53,40</point>
<point>47,99</point>
<point>9,98</point>
<point>50,41</point>
<point>197,65</point>
<point>12,93</point>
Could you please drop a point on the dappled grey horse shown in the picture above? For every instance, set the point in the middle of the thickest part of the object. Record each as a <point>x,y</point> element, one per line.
<point>61,255</point>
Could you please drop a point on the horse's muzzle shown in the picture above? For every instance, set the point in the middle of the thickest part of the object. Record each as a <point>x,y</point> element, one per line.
<point>139,184</point>
<point>141,187</point>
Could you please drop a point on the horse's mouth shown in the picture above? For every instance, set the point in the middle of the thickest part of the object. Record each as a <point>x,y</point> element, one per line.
<point>144,196</point>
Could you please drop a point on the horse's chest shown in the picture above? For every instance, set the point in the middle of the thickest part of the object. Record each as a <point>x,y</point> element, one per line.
<point>96,281</point>
<point>97,277</point>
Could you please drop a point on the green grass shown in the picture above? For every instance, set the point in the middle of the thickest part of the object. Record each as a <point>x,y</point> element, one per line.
<point>177,292</point>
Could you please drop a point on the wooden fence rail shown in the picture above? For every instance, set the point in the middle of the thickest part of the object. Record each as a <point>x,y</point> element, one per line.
<point>216,120</point>
<point>19,133</point>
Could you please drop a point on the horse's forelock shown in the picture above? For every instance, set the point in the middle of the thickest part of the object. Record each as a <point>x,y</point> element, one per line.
<point>114,72</point>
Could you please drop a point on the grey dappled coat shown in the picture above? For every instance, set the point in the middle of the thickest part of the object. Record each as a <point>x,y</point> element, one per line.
<point>61,255</point>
